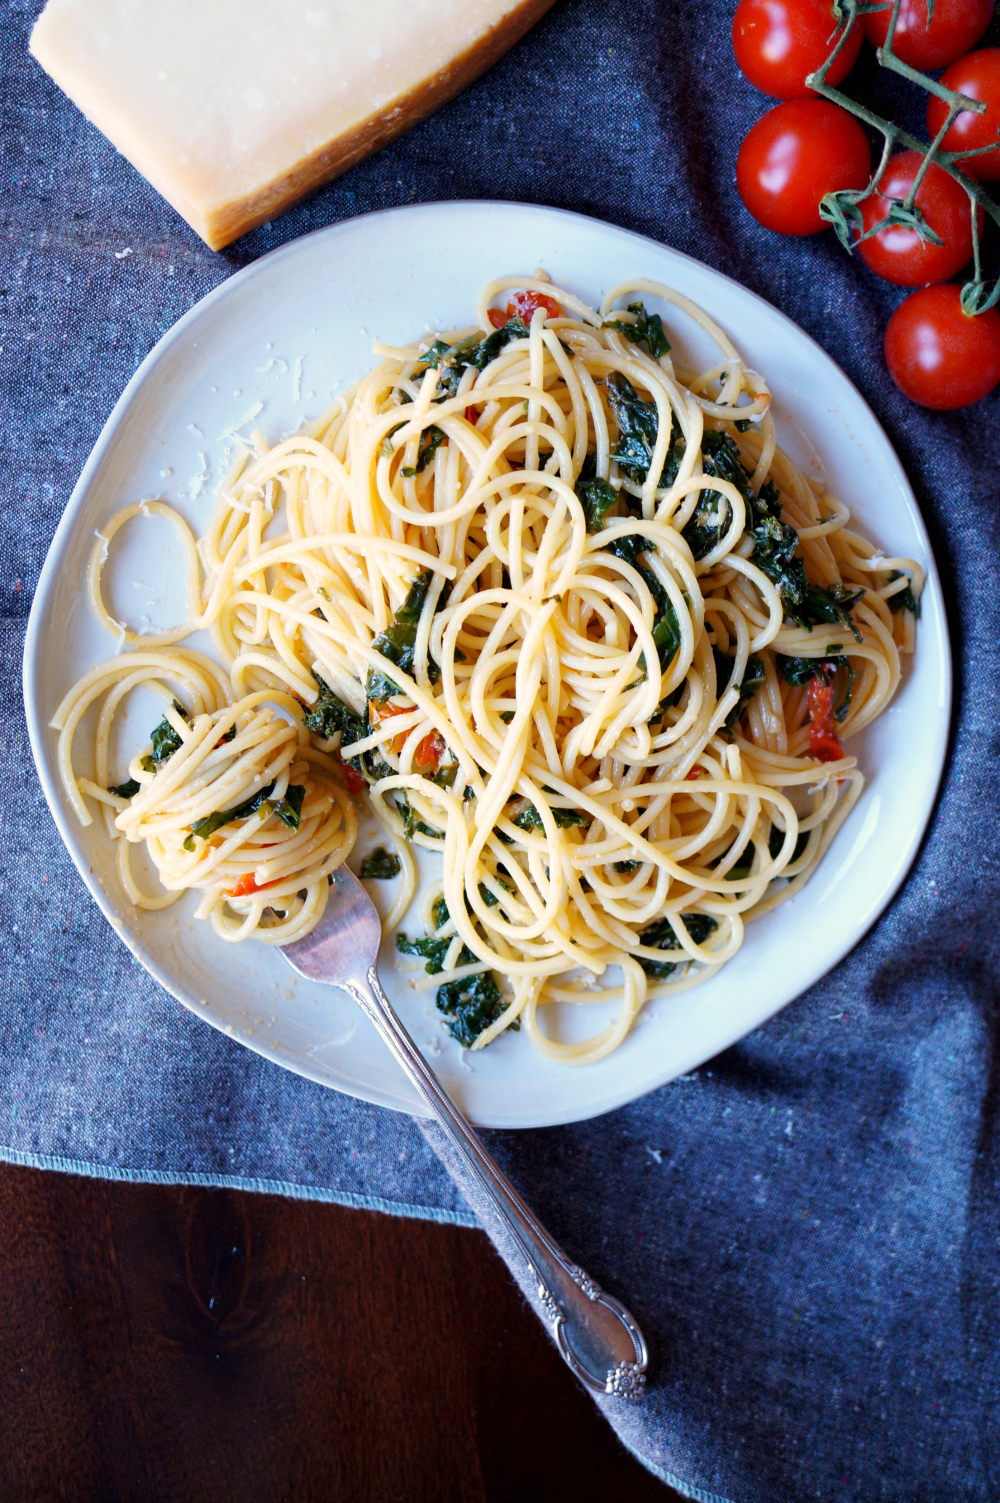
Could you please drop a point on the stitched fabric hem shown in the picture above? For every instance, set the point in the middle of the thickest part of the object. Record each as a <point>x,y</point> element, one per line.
<point>289,1189</point>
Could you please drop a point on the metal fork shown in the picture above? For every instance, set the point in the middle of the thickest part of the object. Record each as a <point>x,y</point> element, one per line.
<point>595,1334</point>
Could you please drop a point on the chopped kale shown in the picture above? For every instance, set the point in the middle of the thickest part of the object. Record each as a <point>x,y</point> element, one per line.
<point>596,496</point>
<point>530,819</point>
<point>507,716</point>
<point>627,867</point>
<point>776,543</point>
<point>289,808</point>
<point>164,742</point>
<point>802,671</point>
<point>330,714</point>
<point>379,687</point>
<point>647,327</point>
<point>903,600</point>
<point>776,840</point>
<point>666,632</point>
<point>259,804</point>
<point>660,936</point>
<point>638,423</point>
<point>472,1004</point>
<point>411,824</point>
<point>742,425</point>
<point>398,641</point>
<point>476,350</point>
<point>432,950</point>
<point>753,678</point>
<point>439,912</point>
<point>126,790</point>
<point>381,864</point>
<point>426,450</point>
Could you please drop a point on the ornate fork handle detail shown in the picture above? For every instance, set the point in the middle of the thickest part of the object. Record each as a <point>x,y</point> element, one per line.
<point>595,1334</point>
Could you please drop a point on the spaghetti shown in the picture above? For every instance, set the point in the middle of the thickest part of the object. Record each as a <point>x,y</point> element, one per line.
<point>576,621</point>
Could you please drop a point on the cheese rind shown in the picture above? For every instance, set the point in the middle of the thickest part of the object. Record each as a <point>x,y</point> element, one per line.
<point>235,109</point>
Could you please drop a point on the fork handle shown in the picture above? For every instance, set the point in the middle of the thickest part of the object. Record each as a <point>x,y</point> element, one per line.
<point>596,1335</point>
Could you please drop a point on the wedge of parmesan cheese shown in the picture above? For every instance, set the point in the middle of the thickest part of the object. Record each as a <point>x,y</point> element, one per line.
<point>234,109</point>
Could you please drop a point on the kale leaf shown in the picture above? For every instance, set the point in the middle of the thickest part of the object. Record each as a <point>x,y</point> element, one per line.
<point>802,671</point>
<point>399,640</point>
<point>903,599</point>
<point>775,544</point>
<point>434,439</point>
<point>666,632</point>
<point>289,808</point>
<point>381,864</point>
<point>330,714</point>
<point>432,950</point>
<point>476,350</point>
<point>638,424</point>
<point>530,819</point>
<point>164,741</point>
<point>647,327</point>
<point>411,824</point>
<point>472,1005</point>
<point>126,790</point>
<point>660,936</point>
<point>753,677</point>
<point>776,840</point>
<point>203,828</point>
<point>596,496</point>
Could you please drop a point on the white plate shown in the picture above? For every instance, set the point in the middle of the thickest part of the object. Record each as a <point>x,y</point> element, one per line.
<point>321,301</point>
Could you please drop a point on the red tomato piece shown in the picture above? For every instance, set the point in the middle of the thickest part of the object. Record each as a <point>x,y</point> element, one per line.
<point>795,154</point>
<point>897,254</point>
<point>353,781</point>
<point>429,751</point>
<point>694,774</point>
<point>778,43</point>
<point>823,739</point>
<point>382,709</point>
<point>978,76</point>
<point>957,25</point>
<point>522,305</point>
<point>248,884</point>
<point>939,356</point>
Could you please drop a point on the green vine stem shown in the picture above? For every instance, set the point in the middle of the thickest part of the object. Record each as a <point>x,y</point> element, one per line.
<point>842,210</point>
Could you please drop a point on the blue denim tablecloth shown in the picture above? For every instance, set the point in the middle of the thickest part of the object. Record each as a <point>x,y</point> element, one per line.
<point>808,1228</point>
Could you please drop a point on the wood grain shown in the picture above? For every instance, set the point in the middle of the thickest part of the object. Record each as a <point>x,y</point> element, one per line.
<point>176,1343</point>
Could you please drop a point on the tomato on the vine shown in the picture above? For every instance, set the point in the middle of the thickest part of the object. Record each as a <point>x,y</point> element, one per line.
<point>795,154</point>
<point>778,43</point>
<point>977,75</point>
<point>956,26</point>
<point>897,253</point>
<point>937,354</point>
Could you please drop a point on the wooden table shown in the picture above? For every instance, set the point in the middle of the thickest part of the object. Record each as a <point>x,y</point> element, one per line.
<point>185,1344</point>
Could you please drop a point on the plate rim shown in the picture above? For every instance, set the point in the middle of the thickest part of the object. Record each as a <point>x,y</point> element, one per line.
<point>65,531</point>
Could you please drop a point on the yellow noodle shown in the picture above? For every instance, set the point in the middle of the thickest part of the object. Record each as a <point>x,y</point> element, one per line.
<point>577,788</point>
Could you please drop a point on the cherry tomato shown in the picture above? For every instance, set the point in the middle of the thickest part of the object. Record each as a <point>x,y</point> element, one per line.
<point>897,253</point>
<point>977,75</point>
<point>795,154</point>
<point>429,751</point>
<point>522,305</point>
<point>939,356</point>
<point>353,780</point>
<point>957,26</point>
<point>779,42</point>
<point>824,743</point>
<point>248,884</point>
